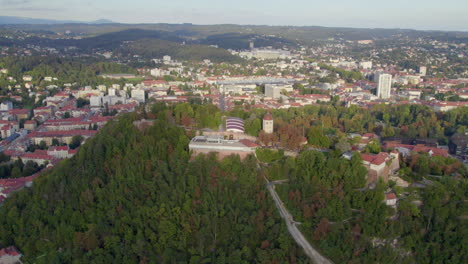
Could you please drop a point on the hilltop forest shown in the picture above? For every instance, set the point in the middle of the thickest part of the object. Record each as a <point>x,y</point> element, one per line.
<point>133,194</point>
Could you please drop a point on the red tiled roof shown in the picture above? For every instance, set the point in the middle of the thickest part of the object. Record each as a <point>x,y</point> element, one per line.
<point>62,95</point>
<point>88,133</point>
<point>5,122</point>
<point>9,251</point>
<point>58,148</point>
<point>65,120</point>
<point>268,116</point>
<point>43,108</point>
<point>37,154</point>
<point>19,111</point>
<point>418,148</point>
<point>390,196</point>
<point>73,151</point>
<point>375,159</point>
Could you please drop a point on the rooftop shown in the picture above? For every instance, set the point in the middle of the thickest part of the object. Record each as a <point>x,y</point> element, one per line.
<point>220,143</point>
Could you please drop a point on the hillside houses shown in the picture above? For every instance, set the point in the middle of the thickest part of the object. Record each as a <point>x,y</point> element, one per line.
<point>406,149</point>
<point>10,255</point>
<point>380,165</point>
<point>63,137</point>
<point>9,186</point>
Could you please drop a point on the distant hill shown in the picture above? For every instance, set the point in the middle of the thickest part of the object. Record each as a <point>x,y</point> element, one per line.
<point>240,35</point>
<point>154,48</point>
<point>239,41</point>
<point>13,20</point>
<point>228,36</point>
<point>146,43</point>
<point>102,21</point>
<point>108,41</point>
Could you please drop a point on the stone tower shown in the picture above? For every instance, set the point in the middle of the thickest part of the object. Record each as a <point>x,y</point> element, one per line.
<point>268,123</point>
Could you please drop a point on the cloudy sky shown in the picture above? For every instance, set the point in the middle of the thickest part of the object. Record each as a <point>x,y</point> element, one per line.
<point>416,14</point>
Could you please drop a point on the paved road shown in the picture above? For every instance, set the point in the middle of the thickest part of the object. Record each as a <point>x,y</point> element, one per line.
<point>313,254</point>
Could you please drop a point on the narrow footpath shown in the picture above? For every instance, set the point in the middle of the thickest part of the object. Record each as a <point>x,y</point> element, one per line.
<point>313,254</point>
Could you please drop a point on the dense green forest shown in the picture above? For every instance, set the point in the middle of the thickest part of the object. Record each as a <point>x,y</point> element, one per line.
<point>157,48</point>
<point>325,193</point>
<point>67,70</point>
<point>133,196</point>
<point>325,125</point>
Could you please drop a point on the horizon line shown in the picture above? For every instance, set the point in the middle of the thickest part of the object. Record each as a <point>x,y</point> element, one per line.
<point>62,22</point>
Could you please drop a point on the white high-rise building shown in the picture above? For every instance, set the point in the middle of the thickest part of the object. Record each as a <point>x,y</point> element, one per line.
<point>272,91</point>
<point>112,92</point>
<point>139,95</point>
<point>365,65</point>
<point>384,85</point>
<point>6,106</point>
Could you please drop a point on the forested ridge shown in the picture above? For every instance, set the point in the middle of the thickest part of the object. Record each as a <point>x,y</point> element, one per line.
<point>132,196</point>
<point>157,48</point>
<point>135,195</point>
<point>66,70</point>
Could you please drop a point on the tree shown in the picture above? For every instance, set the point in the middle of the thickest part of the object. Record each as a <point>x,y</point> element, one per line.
<point>55,142</point>
<point>343,145</point>
<point>317,138</point>
<point>42,144</point>
<point>16,172</point>
<point>373,146</point>
<point>66,115</point>
<point>76,141</point>
<point>253,126</point>
<point>4,157</point>
<point>30,168</point>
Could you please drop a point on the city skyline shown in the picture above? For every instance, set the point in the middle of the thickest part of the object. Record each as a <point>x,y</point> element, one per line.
<point>427,15</point>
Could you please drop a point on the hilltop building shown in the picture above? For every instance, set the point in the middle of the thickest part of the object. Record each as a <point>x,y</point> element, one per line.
<point>204,145</point>
<point>268,123</point>
<point>380,165</point>
<point>234,124</point>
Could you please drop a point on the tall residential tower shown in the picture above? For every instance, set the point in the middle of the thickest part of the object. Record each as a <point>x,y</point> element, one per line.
<point>384,85</point>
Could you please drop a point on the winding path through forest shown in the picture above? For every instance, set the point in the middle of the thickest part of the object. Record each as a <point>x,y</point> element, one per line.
<point>313,254</point>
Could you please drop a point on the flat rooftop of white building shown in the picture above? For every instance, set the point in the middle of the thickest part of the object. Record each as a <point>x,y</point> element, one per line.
<point>219,143</point>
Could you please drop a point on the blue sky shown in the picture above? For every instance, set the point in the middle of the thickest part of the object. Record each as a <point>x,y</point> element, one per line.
<point>416,14</point>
